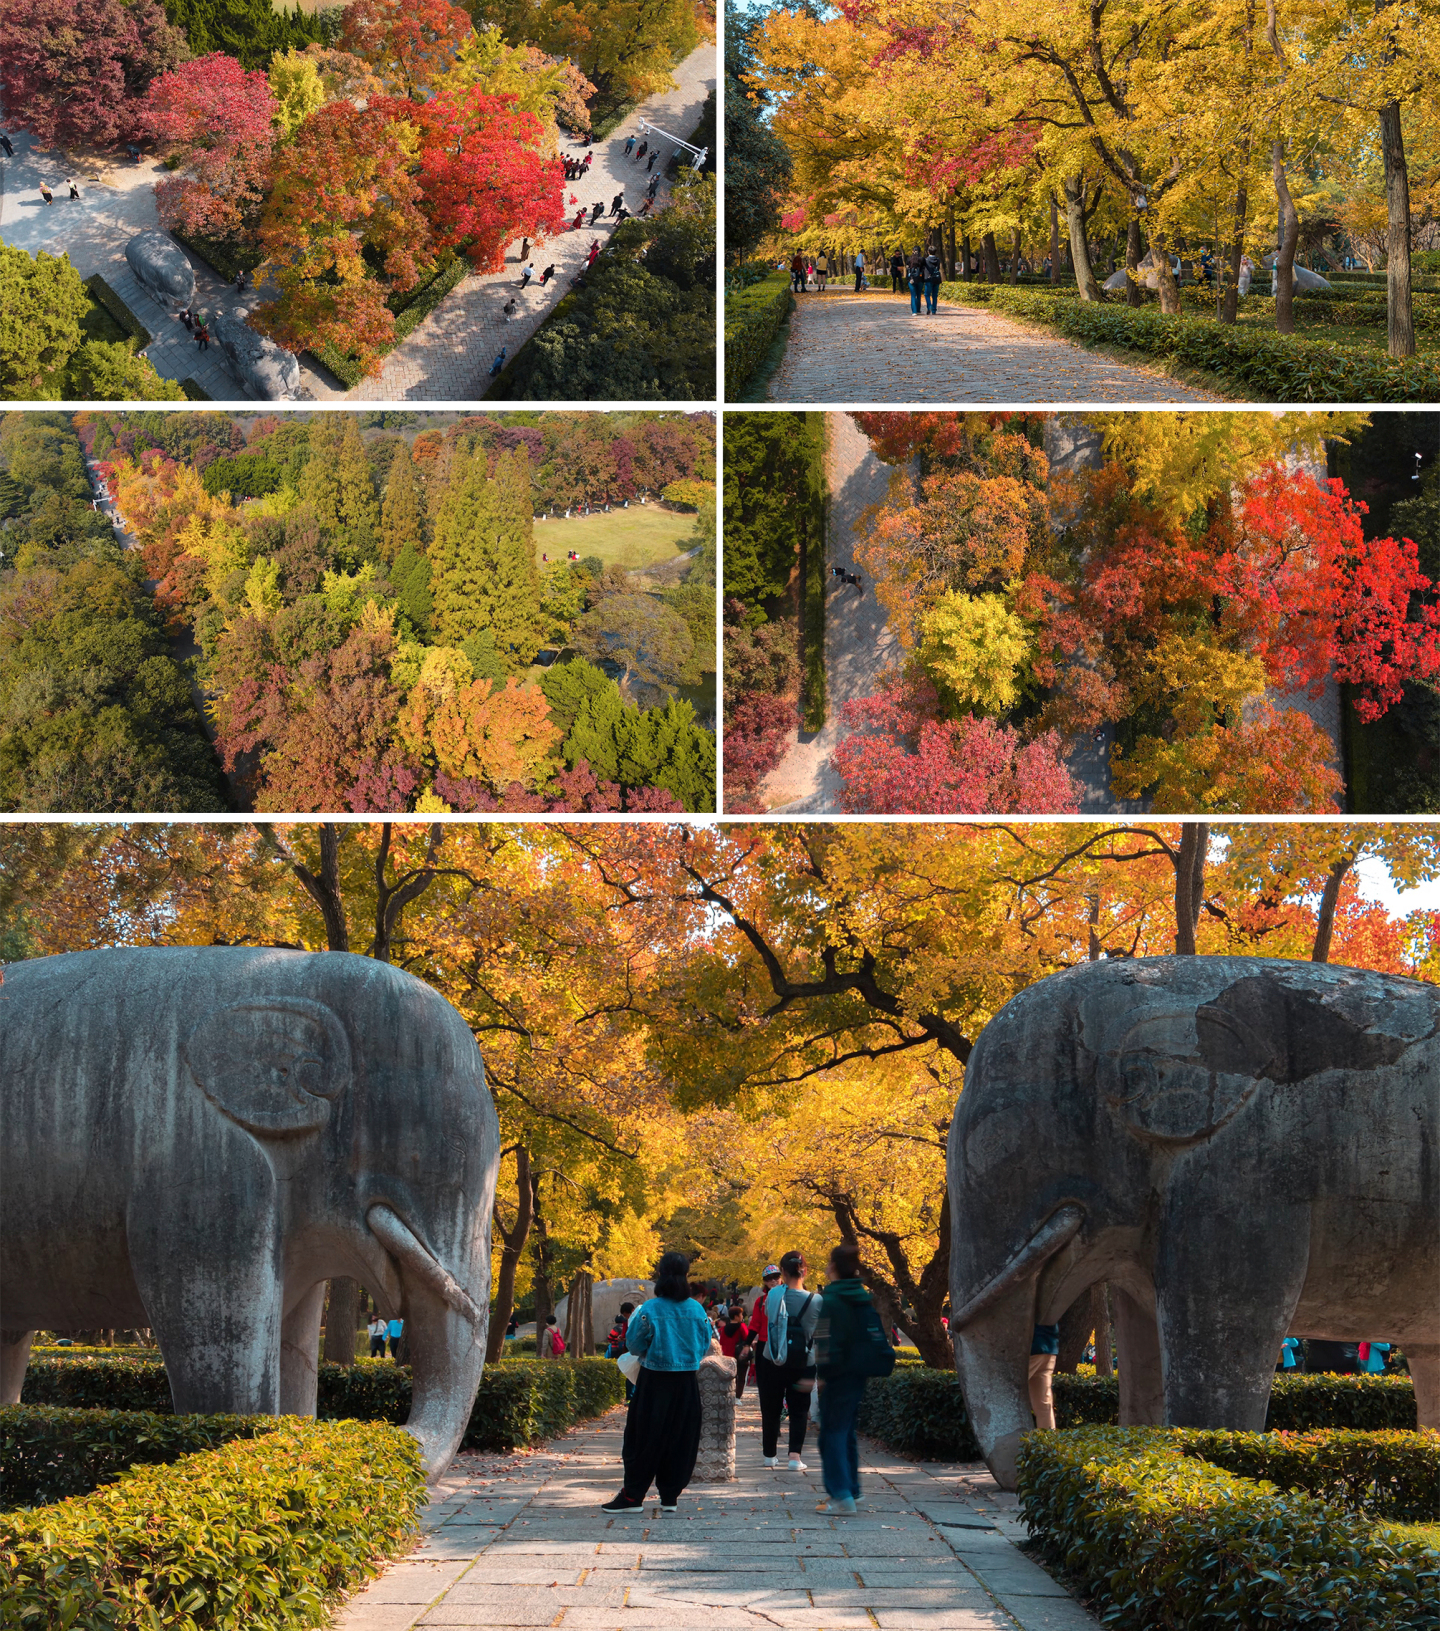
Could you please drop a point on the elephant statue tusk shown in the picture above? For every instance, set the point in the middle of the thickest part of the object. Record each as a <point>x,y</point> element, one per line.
<point>402,1245</point>
<point>1043,1244</point>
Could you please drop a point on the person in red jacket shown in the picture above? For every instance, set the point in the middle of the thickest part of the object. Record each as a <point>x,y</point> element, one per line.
<point>735,1343</point>
<point>759,1321</point>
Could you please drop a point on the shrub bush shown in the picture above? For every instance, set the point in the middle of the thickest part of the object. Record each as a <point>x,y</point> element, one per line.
<point>100,291</point>
<point>518,1402</point>
<point>921,1412</point>
<point>1382,1474</point>
<point>416,305</point>
<point>1267,367</point>
<point>1162,1538</point>
<point>752,320</point>
<point>50,1453</point>
<point>254,1535</point>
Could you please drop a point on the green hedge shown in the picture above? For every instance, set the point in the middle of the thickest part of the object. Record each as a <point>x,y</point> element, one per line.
<point>752,320</point>
<point>100,291</point>
<point>50,1453</point>
<point>254,1535</point>
<point>1161,1538</point>
<point>519,1402</point>
<point>224,256</point>
<point>1263,367</point>
<point>1382,1474</point>
<point>421,302</point>
<point>817,576</point>
<point>921,1412</point>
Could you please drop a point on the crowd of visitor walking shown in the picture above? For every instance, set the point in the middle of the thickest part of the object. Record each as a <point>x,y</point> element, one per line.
<point>808,1354</point>
<point>920,274</point>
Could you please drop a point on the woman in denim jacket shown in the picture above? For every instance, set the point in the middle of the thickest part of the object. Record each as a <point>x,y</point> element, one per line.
<point>671,1333</point>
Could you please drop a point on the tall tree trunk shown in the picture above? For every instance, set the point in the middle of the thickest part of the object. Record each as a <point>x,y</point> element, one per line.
<point>1054,240</point>
<point>513,1243</point>
<point>342,1310</point>
<point>544,1296</point>
<point>1230,291</point>
<point>1325,918</point>
<point>1079,246</point>
<point>1289,228</point>
<point>1189,884</point>
<point>1169,289</point>
<point>965,253</point>
<point>579,1333</point>
<point>1399,313</point>
<point>1100,1318</point>
<point>1134,254</point>
<point>1015,259</point>
<point>950,242</point>
<point>991,257</point>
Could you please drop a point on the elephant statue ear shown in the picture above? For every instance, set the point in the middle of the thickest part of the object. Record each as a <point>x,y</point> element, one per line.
<point>272,1066</point>
<point>1168,1091</point>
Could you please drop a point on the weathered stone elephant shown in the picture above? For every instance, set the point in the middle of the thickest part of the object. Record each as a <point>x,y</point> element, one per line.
<point>196,1139</point>
<point>1244,1148</point>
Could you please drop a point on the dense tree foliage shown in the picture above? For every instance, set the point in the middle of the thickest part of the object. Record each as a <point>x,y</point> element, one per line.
<point>641,327</point>
<point>757,163</point>
<point>736,1041</point>
<point>369,605</point>
<point>251,31</point>
<point>1191,591</point>
<point>95,714</point>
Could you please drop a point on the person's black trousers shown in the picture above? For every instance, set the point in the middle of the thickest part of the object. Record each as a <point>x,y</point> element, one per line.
<point>897,283</point>
<point>770,1385</point>
<point>662,1434</point>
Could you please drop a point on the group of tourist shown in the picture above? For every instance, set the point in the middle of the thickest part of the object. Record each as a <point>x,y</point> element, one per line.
<point>921,273</point>
<point>799,1346</point>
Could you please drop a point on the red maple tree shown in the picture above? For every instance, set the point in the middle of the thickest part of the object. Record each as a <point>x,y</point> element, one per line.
<point>482,179</point>
<point>214,119</point>
<point>408,43</point>
<point>73,71</point>
<point>904,760</point>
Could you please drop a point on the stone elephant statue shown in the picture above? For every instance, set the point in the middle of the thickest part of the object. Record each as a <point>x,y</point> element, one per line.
<point>1244,1148</point>
<point>196,1139</point>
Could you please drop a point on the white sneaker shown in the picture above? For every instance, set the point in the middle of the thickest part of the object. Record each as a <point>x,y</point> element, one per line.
<point>771,1460</point>
<point>797,1465</point>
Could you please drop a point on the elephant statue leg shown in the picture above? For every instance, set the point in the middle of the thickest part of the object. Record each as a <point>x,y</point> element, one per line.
<point>216,1316</point>
<point>1227,1290</point>
<point>1142,1383</point>
<point>992,1355</point>
<point>1424,1362</point>
<point>300,1353</point>
<point>14,1357</point>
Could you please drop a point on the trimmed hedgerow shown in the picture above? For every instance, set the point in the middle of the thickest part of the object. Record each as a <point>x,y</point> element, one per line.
<point>51,1452</point>
<point>1383,1474</point>
<point>1161,1538</point>
<point>753,317</point>
<point>921,1412</point>
<point>519,1402</point>
<point>256,1534</point>
<point>101,292</point>
<point>1265,367</point>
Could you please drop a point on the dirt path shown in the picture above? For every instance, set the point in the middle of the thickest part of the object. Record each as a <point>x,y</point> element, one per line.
<point>846,347</point>
<point>859,642</point>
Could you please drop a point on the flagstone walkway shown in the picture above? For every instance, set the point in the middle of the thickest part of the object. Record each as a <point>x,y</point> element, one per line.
<point>847,347</point>
<point>522,1542</point>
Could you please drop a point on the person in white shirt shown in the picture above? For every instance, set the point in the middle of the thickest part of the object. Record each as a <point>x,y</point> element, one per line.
<point>376,1329</point>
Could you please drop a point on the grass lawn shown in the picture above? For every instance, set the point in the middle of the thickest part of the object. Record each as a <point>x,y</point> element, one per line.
<point>638,537</point>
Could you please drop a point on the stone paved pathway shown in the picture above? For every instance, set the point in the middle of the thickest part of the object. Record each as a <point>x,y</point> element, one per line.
<point>524,1543</point>
<point>846,347</point>
<point>859,642</point>
<point>446,359</point>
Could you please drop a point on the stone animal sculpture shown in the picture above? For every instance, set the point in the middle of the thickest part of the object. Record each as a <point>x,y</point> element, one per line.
<point>1244,1148</point>
<point>196,1139</point>
<point>161,268</point>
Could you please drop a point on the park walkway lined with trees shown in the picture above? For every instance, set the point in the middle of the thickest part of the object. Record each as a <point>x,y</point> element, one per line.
<point>525,1545</point>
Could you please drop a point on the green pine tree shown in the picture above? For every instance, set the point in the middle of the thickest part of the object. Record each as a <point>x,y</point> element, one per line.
<point>320,484</point>
<point>359,513</point>
<point>402,518</point>
<point>483,558</point>
<point>410,576</point>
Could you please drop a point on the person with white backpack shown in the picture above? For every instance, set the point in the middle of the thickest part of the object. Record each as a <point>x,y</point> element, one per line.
<point>785,1366</point>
